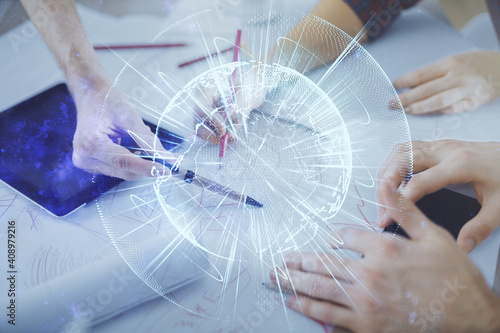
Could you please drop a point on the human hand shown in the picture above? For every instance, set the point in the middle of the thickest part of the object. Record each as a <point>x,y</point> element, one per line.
<point>438,164</point>
<point>422,284</point>
<point>224,105</point>
<point>99,128</point>
<point>455,84</point>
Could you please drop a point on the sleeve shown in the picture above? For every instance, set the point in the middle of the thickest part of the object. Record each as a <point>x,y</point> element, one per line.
<point>494,9</point>
<point>377,15</point>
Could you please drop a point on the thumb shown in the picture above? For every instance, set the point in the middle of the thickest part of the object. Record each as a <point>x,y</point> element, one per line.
<point>480,227</point>
<point>432,180</point>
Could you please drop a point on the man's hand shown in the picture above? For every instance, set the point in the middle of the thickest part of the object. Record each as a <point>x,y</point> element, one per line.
<point>441,163</point>
<point>225,103</point>
<point>101,123</point>
<point>422,284</point>
<point>95,144</point>
<point>455,84</point>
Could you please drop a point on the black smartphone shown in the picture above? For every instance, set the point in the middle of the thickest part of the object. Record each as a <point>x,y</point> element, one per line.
<point>447,208</point>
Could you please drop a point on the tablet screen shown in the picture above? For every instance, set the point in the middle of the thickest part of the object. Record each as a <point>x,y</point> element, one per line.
<point>35,153</point>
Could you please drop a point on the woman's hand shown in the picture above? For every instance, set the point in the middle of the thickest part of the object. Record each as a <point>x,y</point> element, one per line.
<point>438,164</point>
<point>422,284</point>
<point>455,84</point>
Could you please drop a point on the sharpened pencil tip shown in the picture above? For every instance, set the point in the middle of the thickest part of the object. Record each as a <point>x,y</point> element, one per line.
<point>253,202</point>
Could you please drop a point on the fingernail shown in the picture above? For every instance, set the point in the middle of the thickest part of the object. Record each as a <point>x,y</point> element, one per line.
<point>469,244</point>
<point>407,109</point>
<point>393,104</point>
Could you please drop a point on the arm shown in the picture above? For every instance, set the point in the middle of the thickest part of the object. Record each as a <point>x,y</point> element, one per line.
<point>98,131</point>
<point>304,48</point>
<point>305,33</point>
<point>375,16</point>
<point>64,35</point>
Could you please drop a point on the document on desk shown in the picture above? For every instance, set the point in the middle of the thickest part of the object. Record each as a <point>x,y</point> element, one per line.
<point>69,289</point>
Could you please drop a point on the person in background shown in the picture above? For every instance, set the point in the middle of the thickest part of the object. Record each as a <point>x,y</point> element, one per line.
<point>458,83</point>
<point>454,84</point>
<point>450,85</point>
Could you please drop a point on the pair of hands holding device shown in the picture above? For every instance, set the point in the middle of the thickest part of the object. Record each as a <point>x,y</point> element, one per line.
<point>422,284</point>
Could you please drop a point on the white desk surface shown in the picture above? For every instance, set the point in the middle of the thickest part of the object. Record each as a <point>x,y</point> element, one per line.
<point>416,39</point>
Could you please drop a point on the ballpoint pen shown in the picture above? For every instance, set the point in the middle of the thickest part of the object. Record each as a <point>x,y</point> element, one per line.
<point>191,177</point>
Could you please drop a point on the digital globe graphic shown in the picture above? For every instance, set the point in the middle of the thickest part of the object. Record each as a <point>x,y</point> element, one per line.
<point>306,139</point>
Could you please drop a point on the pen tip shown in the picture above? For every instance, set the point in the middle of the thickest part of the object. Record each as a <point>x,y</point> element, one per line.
<point>253,202</point>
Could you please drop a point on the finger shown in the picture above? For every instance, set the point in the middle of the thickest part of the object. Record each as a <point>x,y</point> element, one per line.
<point>122,159</point>
<point>395,170</point>
<point>437,102</point>
<point>427,154</point>
<point>424,91</point>
<point>331,264</point>
<point>211,129</point>
<point>460,106</point>
<point>410,218</point>
<point>234,122</point>
<point>150,144</point>
<point>320,286</point>
<point>208,122</point>
<point>359,240</point>
<point>434,179</point>
<point>420,76</point>
<point>398,171</point>
<point>323,311</point>
<point>481,226</point>
<point>91,165</point>
<point>207,134</point>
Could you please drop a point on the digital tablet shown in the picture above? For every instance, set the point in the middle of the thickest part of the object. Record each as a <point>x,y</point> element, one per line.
<point>36,146</point>
<point>449,209</point>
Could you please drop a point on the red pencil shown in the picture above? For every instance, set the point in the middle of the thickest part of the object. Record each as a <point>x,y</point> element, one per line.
<point>223,140</point>
<point>187,63</point>
<point>137,46</point>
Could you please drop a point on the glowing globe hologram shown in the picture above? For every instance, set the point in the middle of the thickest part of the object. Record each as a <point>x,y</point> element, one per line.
<point>288,163</point>
<point>308,149</point>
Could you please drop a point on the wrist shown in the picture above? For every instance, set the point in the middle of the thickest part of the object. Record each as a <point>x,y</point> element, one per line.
<point>494,325</point>
<point>85,79</point>
<point>84,74</point>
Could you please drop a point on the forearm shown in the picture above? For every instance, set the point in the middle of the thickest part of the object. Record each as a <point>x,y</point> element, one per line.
<point>62,30</point>
<point>312,40</point>
<point>340,14</point>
